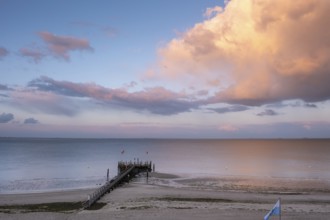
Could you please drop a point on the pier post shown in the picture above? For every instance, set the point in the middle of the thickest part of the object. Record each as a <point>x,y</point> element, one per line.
<point>147,176</point>
<point>108,175</point>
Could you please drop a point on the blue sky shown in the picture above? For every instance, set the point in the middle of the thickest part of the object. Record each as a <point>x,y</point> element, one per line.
<point>201,69</point>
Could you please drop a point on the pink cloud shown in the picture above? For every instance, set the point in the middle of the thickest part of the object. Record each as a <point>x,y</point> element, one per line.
<point>307,127</point>
<point>3,52</point>
<point>228,128</point>
<point>61,46</point>
<point>156,100</point>
<point>34,101</point>
<point>35,55</point>
<point>257,52</point>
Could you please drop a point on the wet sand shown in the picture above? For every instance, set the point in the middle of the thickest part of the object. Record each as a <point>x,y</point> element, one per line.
<point>156,199</point>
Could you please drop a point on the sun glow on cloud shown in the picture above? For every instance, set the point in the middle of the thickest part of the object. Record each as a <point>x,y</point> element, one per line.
<point>257,51</point>
<point>249,68</point>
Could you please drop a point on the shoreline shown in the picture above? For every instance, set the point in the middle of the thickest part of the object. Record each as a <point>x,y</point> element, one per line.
<point>212,182</point>
<point>140,199</point>
<point>233,184</point>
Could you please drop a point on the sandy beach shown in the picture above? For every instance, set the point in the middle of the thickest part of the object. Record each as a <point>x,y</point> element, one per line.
<point>156,199</point>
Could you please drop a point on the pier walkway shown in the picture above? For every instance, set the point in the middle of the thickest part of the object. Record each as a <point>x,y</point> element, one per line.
<point>126,171</point>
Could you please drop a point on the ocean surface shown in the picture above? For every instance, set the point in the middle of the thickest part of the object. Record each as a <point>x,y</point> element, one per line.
<point>33,165</point>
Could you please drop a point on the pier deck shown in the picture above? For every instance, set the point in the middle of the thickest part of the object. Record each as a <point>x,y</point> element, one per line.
<point>126,171</point>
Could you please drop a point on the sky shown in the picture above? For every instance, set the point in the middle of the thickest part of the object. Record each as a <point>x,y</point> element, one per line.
<point>165,69</point>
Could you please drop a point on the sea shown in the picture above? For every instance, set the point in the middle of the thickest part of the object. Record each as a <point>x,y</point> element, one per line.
<point>29,165</point>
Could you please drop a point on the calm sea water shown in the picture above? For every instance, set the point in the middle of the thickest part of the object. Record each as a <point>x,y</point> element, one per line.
<point>28,165</point>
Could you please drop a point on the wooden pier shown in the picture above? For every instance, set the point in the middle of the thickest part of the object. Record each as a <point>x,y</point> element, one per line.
<point>126,171</point>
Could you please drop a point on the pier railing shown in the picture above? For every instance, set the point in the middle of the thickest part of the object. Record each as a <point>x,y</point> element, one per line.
<point>126,171</point>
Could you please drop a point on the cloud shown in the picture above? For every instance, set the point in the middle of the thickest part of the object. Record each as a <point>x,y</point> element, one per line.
<point>35,55</point>
<point>6,117</point>
<point>109,31</point>
<point>228,128</point>
<point>257,52</point>
<point>268,112</point>
<point>292,103</point>
<point>83,24</point>
<point>41,101</point>
<point>4,87</point>
<point>61,46</point>
<point>307,127</point>
<point>233,108</point>
<point>3,52</point>
<point>31,121</point>
<point>210,12</point>
<point>132,84</point>
<point>32,100</point>
<point>156,100</point>
<point>310,105</point>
